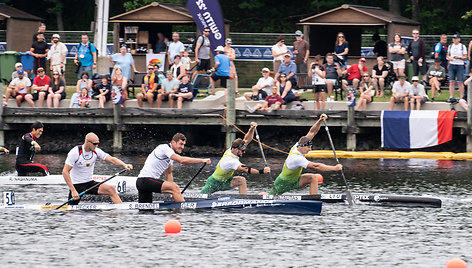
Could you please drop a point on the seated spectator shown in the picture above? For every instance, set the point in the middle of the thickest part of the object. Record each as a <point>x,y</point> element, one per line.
<point>178,69</point>
<point>57,90</point>
<point>84,99</point>
<point>400,91</point>
<point>148,88</point>
<point>40,88</point>
<point>354,72</point>
<point>273,102</point>
<point>168,86</point>
<point>285,90</point>
<point>118,85</point>
<point>18,88</point>
<point>83,82</point>
<point>417,93</point>
<point>436,75</point>
<point>289,68</point>
<point>103,93</point>
<point>333,72</point>
<point>18,66</point>
<point>222,68</point>
<point>367,92</point>
<point>262,89</point>
<point>184,93</point>
<point>379,75</point>
<point>463,102</point>
<point>317,72</point>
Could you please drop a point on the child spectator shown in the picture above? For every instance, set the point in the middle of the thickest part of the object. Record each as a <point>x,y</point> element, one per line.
<point>186,62</point>
<point>103,92</point>
<point>84,98</point>
<point>317,72</point>
<point>184,92</point>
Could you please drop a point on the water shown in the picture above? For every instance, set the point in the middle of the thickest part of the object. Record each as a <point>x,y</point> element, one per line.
<point>359,236</point>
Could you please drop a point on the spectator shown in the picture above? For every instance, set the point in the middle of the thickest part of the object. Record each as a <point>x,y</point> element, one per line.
<point>175,48</point>
<point>83,82</point>
<point>354,72</point>
<point>456,54</point>
<point>58,53</point>
<point>285,90</point>
<point>436,75</point>
<point>119,85</point>
<point>379,75</point>
<point>333,72</point>
<point>301,50</point>
<point>222,66</point>
<point>186,62</point>
<point>124,60</point>
<point>84,99</point>
<point>39,50</point>
<point>440,51</point>
<point>184,92</point>
<point>18,66</point>
<point>417,94</point>
<point>261,90</point>
<point>161,44</point>
<point>148,87</point>
<point>469,57</point>
<point>397,54</point>
<point>400,91</point>
<point>367,92</point>
<point>341,49</point>
<point>41,29</point>
<point>380,47</point>
<point>178,70</point>
<point>463,102</point>
<point>416,50</point>
<point>202,52</point>
<point>317,72</point>
<point>231,53</point>
<point>278,52</point>
<point>86,57</point>
<point>289,69</point>
<point>104,92</point>
<point>273,102</point>
<point>168,86</point>
<point>40,87</point>
<point>18,88</point>
<point>57,90</point>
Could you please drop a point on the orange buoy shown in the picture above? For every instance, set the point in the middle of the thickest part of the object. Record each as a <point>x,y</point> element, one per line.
<point>319,178</point>
<point>456,263</point>
<point>172,227</point>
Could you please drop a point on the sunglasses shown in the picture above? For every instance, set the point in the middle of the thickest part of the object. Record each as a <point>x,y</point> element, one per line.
<point>341,36</point>
<point>416,33</point>
<point>206,31</point>
<point>94,143</point>
<point>55,74</point>
<point>40,71</point>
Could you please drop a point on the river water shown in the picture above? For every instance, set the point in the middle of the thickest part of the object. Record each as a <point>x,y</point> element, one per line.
<point>343,236</point>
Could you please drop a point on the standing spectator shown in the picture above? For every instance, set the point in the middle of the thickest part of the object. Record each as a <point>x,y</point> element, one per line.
<point>184,92</point>
<point>417,94</point>
<point>456,54</point>
<point>58,56</point>
<point>39,50</point>
<point>202,52</point>
<point>285,90</point>
<point>175,48</point>
<point>341,49</point>
<point>262,89</point>
<point>317,72</point>
<point>222,66</point>
<point>379,74</point>
<point>86,56</point>
<point>400,91</point>
<point>355,72</point>
<point>57,90</point>
<point>416,50</point>
<point>470,58</point>
<point>124,60</point>
<point>148,87</point>
<point>178,70</point>
<point>301,50</point>
<point>83,82</point>
<point>278,52</point>
<point>40,88</point>
<point>231,53</point>
<point>119,85</point>
<point>104,92</point>
<point>440,51</point>
<point>41,29</point>
<point>186,62</point>
<point>18,66</point>
<point>397,54</point>
<point>168,86</point>
<point>333,72</point>
<point>273,102</point>
<point>161,44</point>
<point>289,69</point>
<point>18,88</point>
<point>367,92</point>
<point>380,47</point>
<point>436,75</point>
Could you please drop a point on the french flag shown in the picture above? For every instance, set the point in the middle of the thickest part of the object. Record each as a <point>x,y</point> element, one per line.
<point>416,129</point>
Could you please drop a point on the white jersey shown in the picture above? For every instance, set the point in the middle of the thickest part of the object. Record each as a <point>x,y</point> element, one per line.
<point>157,161</point>
<point>296,159</point>
<point>83,163</point>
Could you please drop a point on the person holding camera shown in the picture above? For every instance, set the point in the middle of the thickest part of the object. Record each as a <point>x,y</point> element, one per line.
<point>86,57</point>
<point>317,72</point>
<point>58,56</point>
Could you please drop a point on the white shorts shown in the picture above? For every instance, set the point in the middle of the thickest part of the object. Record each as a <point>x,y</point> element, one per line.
<point>57,68</point>
<point>399,64</point>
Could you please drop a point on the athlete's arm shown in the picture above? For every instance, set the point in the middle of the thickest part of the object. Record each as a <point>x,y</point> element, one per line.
<point>189,160</point>
<point>250,133</point>
<point>118,162</point>
<point>323,167</point>
<point>252,170</point>
<point>66,175</point>
<point>316,127</point>
<point>168,174</point>
<point>30,140</point>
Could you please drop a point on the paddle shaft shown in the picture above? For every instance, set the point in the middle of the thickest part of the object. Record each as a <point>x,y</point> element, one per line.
<point>263,157</point>
<point>188,184</point>
<point>91,188</point>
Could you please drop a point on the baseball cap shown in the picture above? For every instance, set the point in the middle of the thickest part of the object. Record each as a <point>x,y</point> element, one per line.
<point>298,33</point>
<point>456,36</point>
<point>56,36</point>
<point>220,48</point>
<point>362,59</point>
<point>229,41</point>
<point>265,69</point>
<point>287,55</point>
<point>401,76</point>
<point>40,69</point>
<point>415,78</point>
<point>437,60</point>
<point>168,72</point>
<point>20,71</point>
<point>18,64</point>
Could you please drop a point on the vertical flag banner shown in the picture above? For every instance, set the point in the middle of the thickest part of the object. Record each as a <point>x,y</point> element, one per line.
<point>207,13</point>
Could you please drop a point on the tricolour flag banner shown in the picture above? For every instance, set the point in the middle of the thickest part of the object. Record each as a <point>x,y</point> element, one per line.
<point>416,129</point>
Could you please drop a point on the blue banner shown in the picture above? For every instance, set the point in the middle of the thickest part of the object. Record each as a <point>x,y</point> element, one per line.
<point>207,13</point>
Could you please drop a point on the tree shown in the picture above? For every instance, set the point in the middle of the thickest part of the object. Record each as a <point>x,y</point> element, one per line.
<point>394,6</point>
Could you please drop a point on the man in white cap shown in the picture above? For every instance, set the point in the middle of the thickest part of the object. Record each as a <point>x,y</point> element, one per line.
<point>417,94</point>
<point>222,65</point>
<point>301,50</point>
<point>58,55</point>
<point>262,89</point>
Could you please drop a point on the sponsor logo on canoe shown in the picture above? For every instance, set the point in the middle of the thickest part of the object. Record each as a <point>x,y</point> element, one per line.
<point>282,197</point>
<point>361,196</point>
<point>331,196</point>
<point>378,198</point>
<point>144,206</point>
<point>242,203</point>
<point>188,205</point>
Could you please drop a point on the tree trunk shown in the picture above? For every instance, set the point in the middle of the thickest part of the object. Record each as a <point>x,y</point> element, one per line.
<point>60,22</point>
<point>394,6</point>
<point>415,10</point>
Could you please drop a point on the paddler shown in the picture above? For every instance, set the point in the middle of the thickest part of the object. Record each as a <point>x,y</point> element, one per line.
<point>291,176</point>
<point>160,161</point>
<point>222,178</point>
<point>26,150</point>
<point>79,166</point>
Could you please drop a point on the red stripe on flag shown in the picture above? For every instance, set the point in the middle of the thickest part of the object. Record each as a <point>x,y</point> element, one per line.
<point>445,121</point>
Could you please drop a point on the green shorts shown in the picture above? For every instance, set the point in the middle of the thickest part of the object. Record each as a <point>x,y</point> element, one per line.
<point>212,185</point>
<point>284,185</point>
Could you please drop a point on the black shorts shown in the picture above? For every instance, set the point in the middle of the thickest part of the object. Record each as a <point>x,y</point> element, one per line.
<point>80,187</point>
<point>319,88</point>
<point>26,168</point>
<point>36,95</point>
<point>146,186</point>
<point>289,98</point>
<point>216,77</point>
<point>204,65</point>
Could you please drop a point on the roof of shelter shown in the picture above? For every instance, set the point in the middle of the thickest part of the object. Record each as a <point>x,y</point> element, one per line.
<point>356,15</point>
<point>156,12</point>
<point>7,12</point>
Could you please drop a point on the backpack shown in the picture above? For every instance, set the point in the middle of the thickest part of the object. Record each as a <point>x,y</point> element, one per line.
<point>194,43</point>
<point>432,53</point>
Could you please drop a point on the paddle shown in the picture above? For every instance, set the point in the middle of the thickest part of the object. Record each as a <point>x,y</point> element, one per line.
<point>188,184</point>
<point>349,198</point>
<point>93,187</point>
<point>263,157</point>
